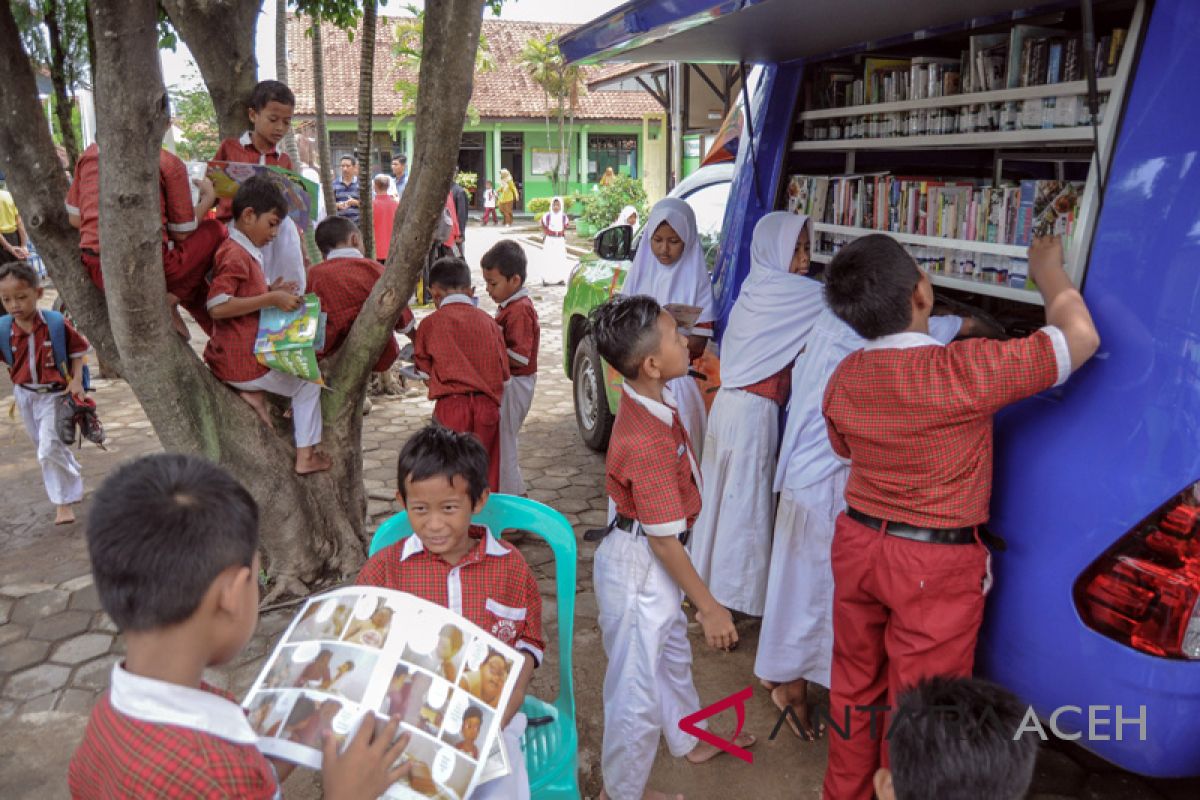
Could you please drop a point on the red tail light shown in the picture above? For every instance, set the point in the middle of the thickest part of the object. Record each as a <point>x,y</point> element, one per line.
<point>1144,591</point>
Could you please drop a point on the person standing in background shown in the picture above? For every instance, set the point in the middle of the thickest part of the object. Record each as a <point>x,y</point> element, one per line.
<point>508,196</point>
<point>13,238</point>
<point>345,189</point>
<point>383,216</point>
<point>462,204</point>
<point>399,176</point>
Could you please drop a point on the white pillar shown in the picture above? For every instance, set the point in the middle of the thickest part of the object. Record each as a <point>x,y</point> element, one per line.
<point>583,157</point>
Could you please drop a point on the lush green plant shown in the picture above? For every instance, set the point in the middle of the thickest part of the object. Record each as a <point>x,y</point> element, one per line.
<point>602,207</point>
<point>197,121</point>
<point>468,181</point>
<point>538,206</point>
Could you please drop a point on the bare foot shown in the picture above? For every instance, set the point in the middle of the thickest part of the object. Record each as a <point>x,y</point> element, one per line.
<point>258,401</point>
<point>794,696</point>
<point>310,460</point>
<point>706,752</point>
<point>63,515</point>
<point>650,794</point>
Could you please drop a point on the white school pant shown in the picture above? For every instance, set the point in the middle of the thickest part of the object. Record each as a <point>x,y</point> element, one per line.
<point>60,471</point>
<point>731,540</point>
<point>514,785</point>
<point>692,413</point>
<point>796,640</point>
<point>648,685</point>
<point>514,407</point>
<point>283,256</point>
<point>306,402</point>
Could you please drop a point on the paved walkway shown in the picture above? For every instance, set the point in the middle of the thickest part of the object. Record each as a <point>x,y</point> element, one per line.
<point>57,648</point>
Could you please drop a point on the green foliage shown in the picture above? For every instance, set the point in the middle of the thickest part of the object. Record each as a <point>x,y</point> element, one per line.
<point>196,119</point>
<point>540,205</point>
<point>468,181</point>
<point>71,17</point>
<point>563,84</point>
<point>407,49</point>
<point>602,207</point>
<point>345,14</point>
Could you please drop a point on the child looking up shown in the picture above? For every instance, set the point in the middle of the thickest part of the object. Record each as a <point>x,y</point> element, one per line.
<point>173,542</point>
<point>238,290</point>
<point>774,311</point>
<point>915,420</point>
<point>670,267</point>
<point>442,481</point>
<point>641,569</point>
<point>504,274</point>
<point>462,351</point>
<point>39,383</point>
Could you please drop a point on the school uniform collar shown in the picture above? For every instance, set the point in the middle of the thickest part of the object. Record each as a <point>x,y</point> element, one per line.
<point>152,700</point>
<point>240,239</point>
<point>344,252</point>
<point>491,545</point>
<point>453,299</point>
<point>248,141</point>
<point>517,295</point>
<point>902,341</point>
<point>664,412</point>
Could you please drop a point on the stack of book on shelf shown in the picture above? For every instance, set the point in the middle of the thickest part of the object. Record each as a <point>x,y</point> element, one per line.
<point>961,211</point>
<point>1025,56</point>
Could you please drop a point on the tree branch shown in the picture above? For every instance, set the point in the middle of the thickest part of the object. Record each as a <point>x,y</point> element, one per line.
<point>366,111</point>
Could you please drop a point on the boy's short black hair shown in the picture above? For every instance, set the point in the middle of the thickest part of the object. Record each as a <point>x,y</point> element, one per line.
<point>626,331</point>
<point>507,257</point>
<point>438,451</point>
<point>332,232</point>
<point>473,712</point>
<point>869,285</point>
<point>348,157</point>
<point>261,194</point>
<point>403,159</point>
<point>271,91</point>
<point>449,272</point>
<point>22,272</point>
<point>953,739</point>
<point>160,531</point>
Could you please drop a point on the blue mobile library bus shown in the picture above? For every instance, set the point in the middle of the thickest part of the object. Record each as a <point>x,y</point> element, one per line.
<point>942,123</point>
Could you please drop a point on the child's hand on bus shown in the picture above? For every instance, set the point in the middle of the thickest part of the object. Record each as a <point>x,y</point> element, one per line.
<point>718,627</point>
<point>1045,253</point>
<point>284,300</point>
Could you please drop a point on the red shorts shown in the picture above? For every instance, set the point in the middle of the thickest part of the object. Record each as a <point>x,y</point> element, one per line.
<point>477,414</point>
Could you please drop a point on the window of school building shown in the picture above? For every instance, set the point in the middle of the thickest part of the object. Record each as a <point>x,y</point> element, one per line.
<point>618,152</point>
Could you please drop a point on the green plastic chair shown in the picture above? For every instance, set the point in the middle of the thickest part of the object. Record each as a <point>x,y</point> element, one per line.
<point>552,749</point>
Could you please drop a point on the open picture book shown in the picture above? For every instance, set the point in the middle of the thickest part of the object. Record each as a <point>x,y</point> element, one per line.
<point>369,653</point>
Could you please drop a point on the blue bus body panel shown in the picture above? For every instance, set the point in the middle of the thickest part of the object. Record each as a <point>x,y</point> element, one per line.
<point>1079,467</point>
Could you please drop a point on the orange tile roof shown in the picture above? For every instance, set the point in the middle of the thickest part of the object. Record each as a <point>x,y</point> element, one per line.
<point>505,92</point>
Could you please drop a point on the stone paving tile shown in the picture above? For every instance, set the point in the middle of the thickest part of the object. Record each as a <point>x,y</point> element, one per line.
<point>81,648</point>
<point>22,653</point>
<point>6,604</point>
<point>62,625</point>
<point>36,681</point>
<point>85,598</point>
<point>31,608</point>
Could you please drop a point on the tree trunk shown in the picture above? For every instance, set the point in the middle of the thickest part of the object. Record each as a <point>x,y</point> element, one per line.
<point>36,178</point>
<point>326,165</point>
<point>366,109</point>
<point>58,77</point>
<point>220,35</point>
<point>281,73</point>
<point>448,46</point>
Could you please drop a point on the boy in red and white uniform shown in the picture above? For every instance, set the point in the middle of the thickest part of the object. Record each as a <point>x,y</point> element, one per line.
<point>914,418</point>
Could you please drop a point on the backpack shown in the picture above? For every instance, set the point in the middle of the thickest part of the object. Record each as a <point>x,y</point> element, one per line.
<point>58,345</point>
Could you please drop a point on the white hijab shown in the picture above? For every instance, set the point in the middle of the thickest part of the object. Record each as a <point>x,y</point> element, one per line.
<point>623,217</point>
<point>686,281</point>
<point>556,221</point>
<point>775,309</point>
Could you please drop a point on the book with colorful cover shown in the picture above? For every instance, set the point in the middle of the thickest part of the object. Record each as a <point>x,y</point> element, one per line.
<point>1055,208</point>
<point>288,341</point>
<point>360,655</point>
<point>301,193</point>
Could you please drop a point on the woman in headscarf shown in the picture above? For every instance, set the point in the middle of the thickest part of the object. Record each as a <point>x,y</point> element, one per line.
<point>608,177</point>
<point>669,266</point>
<point>731,541</point>
<point>507,196</point>
<point>628,216</point>
<point>555,266</point>
<point>795,645</point>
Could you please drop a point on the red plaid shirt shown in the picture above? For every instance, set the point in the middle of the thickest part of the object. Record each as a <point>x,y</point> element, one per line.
<point>243,151</point>
<point>237,272</point>
<point>492,586</point>
<point>462,351</point>
<point>776,388</point>
<point>343,282</point>
<point>174,188</point>
<point>122,756</point>
<point>518,320</point>
<point>41,369</point>
<point>915,420</point>
<point>650,471</point>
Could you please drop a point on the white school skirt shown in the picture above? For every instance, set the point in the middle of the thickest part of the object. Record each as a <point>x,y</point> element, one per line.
<point>797,628</point>
<point>692,413</point>
<point>731,540</point>
<point>554,265</point>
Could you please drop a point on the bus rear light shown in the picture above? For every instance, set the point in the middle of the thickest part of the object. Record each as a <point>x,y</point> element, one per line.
<point>1145,591</point>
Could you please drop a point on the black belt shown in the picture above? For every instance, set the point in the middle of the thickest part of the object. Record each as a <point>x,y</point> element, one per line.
<point>965,535</point>
<point>629,525</point>
<point>51,389</point>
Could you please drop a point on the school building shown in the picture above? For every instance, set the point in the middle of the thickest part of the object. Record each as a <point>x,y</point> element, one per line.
<point>623,128</point>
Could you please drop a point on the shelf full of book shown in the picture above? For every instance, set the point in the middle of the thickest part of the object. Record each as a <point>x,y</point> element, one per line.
<point>967,218</point>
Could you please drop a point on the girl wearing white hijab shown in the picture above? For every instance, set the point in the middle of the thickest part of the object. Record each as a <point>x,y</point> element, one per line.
<point>669,266</point>
<point>555,266</point>
<point>795,645</point>
<point>731,541</point>
<point>628,216</point>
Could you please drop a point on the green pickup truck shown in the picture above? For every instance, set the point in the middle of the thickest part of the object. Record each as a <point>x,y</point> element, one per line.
<point>594,280</point>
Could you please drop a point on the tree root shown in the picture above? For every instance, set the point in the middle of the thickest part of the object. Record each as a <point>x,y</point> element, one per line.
<point>285,586</point>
